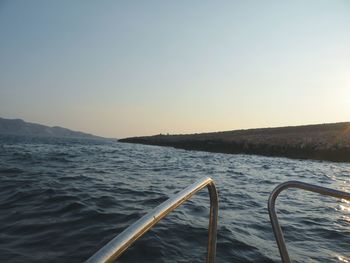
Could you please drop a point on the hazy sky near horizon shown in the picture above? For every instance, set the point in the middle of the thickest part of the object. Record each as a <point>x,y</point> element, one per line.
<point>125,68</point>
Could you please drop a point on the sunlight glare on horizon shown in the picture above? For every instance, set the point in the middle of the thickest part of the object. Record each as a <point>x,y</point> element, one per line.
<point>120,69</point>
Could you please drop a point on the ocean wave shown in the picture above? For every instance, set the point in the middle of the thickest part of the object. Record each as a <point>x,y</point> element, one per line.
<point>63,200</point>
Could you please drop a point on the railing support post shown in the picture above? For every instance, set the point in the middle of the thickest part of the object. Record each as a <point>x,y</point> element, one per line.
<point>213,223</point>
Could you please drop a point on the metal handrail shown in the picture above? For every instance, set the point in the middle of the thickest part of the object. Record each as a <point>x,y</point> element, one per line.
<point>272,211</point>
<point>114,248</point>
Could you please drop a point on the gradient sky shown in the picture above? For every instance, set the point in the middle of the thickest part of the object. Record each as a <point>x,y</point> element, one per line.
<point>125,68</point>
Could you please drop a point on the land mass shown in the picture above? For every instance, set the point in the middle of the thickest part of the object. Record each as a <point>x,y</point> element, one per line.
<point>22,128</point>
<point>329,142</point>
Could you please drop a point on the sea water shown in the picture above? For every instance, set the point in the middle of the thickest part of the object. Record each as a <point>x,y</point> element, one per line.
<point>63,199</point>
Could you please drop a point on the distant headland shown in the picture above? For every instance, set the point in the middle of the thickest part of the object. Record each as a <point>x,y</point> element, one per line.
<point>329,142</point>
<point>22,128</point>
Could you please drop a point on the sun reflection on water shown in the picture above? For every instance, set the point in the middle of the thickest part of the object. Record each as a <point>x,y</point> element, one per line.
<point>343,259</point>
<point>344,208</point>
<point>345,201</point>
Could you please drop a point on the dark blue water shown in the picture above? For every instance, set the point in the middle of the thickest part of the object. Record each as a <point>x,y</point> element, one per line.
<point>62,199</point>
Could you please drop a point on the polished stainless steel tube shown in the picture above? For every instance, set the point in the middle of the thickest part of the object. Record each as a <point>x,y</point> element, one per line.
<point>272,210</point>
<point>114,248</point>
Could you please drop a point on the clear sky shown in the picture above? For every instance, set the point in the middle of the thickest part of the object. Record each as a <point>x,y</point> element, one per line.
<point>125,68</point>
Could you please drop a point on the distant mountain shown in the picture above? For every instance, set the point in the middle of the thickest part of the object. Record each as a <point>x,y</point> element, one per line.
<point>20,127</point>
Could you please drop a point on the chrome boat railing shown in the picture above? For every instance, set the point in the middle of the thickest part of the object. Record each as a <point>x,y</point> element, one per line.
<point>272,211</point>
<point>114,248</point>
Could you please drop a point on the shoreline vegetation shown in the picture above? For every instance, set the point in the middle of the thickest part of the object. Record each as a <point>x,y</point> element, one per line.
<point>329,142</point>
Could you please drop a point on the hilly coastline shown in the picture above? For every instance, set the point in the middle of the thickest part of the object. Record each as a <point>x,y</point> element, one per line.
<point>22,128</point>
<point>329,142</point>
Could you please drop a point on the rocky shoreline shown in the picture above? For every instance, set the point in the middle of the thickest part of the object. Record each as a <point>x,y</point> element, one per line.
<point>330,142</point>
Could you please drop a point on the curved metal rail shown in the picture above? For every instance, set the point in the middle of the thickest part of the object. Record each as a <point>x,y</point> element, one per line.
<point>114,248</point>
<point>272,211</point>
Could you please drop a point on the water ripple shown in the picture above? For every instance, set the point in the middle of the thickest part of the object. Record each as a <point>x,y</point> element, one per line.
<point>62,199</point>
